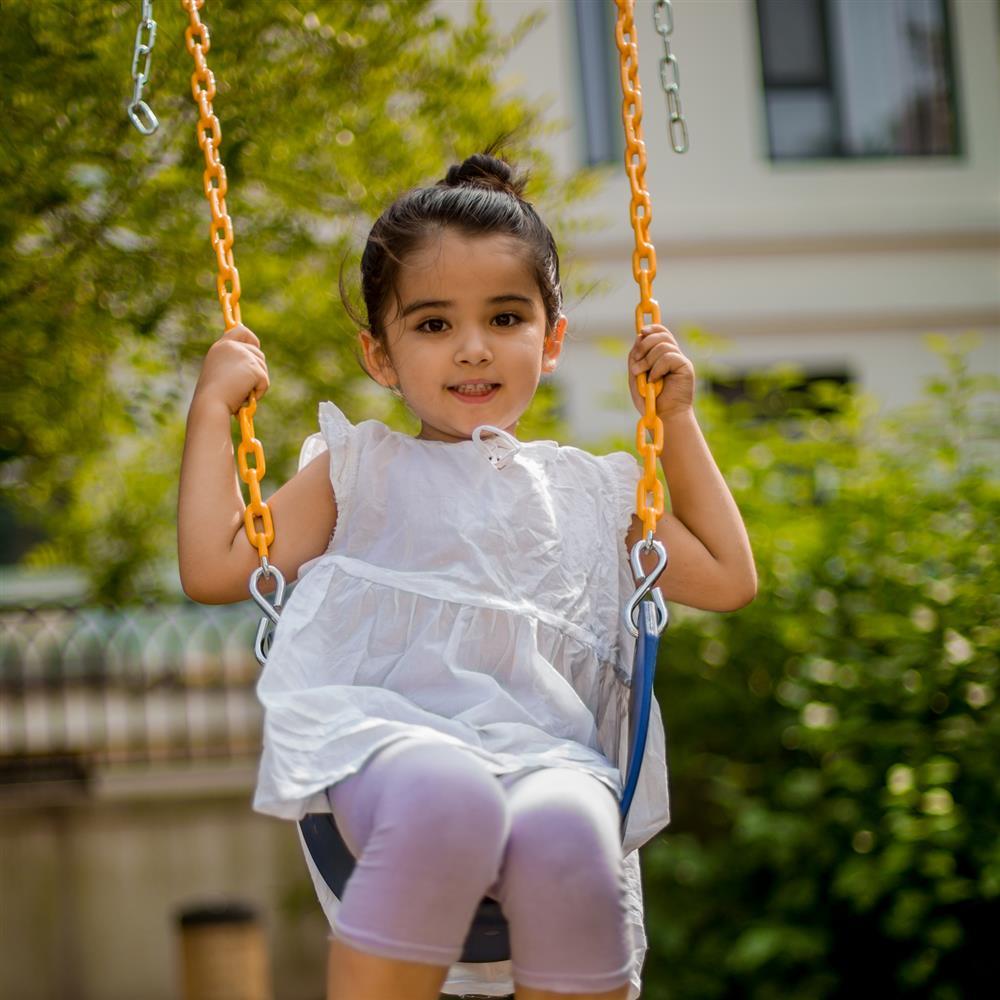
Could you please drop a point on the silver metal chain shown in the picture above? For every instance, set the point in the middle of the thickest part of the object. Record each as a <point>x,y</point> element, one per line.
<point>670,77</point>
<point>139,112</point>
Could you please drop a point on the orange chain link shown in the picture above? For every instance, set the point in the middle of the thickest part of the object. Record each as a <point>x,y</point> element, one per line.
<point>649,491</point>
<point>198,42</point>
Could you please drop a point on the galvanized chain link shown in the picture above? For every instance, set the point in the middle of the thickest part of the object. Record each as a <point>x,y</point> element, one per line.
<point>139,112</point>
<point>670,76</point>
<point>649,491</point>
<point>198,43</point>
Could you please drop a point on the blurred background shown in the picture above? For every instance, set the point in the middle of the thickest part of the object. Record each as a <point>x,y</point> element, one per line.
<point>828,255</point>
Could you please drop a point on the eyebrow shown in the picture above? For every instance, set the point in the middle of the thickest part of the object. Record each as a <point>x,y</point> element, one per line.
<point>447,303</point>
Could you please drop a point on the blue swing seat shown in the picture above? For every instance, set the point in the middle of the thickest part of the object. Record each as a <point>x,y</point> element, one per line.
<point>488,939</point>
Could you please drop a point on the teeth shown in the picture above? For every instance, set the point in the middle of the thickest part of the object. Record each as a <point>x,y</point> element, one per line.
<point>480,389</point>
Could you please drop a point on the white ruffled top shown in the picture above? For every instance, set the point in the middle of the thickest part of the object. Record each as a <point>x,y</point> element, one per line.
<point>472,592</point>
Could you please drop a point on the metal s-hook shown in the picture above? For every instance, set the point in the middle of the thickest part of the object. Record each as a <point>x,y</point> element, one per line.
<point>646,585</point>
<point>270,606</point>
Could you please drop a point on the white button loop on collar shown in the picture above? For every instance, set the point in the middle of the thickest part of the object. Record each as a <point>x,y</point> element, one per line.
<point>500,448</point>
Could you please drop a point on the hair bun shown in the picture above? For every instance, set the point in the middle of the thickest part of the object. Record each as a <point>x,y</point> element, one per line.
<point>484,170</point>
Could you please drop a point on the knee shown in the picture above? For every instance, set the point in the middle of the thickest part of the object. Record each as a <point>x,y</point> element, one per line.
<point>565,844</point>
<point>453,810</point>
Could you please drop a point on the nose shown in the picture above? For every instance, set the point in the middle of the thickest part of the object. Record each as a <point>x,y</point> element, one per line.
<point>473,347</point>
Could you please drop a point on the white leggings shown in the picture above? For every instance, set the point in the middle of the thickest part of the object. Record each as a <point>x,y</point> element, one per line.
<point>434,831</point>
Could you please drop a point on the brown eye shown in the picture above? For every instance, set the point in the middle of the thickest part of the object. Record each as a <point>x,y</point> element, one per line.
<point>431,326</point>
<point>507,319</point>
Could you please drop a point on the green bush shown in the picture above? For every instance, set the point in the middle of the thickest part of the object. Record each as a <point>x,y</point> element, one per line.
<point>833,746</point>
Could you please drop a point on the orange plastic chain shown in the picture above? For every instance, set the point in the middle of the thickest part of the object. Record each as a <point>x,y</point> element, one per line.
<point>649,491</point>
<point>198,43</point>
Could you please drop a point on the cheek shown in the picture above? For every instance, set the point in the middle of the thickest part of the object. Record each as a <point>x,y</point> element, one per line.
<point>531,355</point>
<point>416,366</point>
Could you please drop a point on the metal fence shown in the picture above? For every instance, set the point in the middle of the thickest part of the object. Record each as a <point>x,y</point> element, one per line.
<point>163,682</point>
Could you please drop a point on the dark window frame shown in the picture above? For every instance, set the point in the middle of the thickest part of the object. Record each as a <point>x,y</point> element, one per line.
<point>828,78</point>
<point>598,95</point>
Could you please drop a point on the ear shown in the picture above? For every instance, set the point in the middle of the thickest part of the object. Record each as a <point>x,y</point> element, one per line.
<point>552,348</point>
<point>377,361</point>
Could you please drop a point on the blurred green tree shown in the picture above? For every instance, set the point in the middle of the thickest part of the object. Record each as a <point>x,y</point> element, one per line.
<point>107,288</point>
<point>833,746</point>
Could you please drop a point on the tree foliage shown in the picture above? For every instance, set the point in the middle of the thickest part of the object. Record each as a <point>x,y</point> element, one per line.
<point>833,745</point>
<point>107,289</point>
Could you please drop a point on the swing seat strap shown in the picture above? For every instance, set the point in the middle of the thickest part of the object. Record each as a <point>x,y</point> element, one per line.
<point>640,700</point>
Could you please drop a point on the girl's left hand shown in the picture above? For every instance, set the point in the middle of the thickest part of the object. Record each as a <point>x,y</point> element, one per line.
<point>656,353</point>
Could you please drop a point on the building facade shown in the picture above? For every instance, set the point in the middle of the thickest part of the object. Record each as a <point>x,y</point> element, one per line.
<point>839,201</point>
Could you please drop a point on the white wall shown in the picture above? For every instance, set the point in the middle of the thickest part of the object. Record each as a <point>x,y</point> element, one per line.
<point>837,263</point>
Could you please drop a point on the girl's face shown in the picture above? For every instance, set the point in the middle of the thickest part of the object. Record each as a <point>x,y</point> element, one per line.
<point>470,342</point>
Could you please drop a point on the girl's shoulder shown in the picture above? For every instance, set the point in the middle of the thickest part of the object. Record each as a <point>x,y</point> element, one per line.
<point>602,484</point>
<point>350,446</point>
<point>335,425</point>
<point>570,459</point>
<point>337,434</point>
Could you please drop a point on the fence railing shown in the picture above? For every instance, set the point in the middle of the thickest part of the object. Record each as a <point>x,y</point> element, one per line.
<point>162,682</point>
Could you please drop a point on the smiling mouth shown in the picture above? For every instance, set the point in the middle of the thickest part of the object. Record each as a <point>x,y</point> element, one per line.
<point>474,389</point>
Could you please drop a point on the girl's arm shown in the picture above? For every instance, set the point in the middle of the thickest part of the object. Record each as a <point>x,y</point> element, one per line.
<point>215,556</point>
<point>710,562</point>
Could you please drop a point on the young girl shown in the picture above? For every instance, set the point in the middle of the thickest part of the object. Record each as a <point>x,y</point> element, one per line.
<point>443,677</point>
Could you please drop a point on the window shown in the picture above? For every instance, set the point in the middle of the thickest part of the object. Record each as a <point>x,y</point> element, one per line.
<point>844,78</point>
<point>771,397</point>
<point>600,96</point>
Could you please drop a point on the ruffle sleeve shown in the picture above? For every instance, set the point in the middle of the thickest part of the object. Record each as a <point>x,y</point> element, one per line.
<point>621,471</point>
<point>338,436</point>
<point>312,447</point>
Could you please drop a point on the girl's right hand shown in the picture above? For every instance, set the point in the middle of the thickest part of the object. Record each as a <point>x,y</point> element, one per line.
<point>233,368</point>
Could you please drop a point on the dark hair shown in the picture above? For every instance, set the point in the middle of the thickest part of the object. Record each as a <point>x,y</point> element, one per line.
<point>480,197</point>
